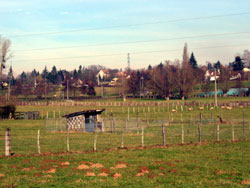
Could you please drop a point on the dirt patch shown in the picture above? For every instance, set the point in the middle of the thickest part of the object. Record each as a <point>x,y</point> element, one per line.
<point>48,176</point>
<point>161,174</point>
<point>218,172</point>
<point>104,170</point>
<point>26,169</point>
<point>97,165</point>
<point>139,174</point>
<point>117,175</point>
<point>2,175</point>
<point>119,166</point>
<point>162,168</point>
<point>173,170</point>
<point>169,164</point>
<point>65,163</point>
<point>78,181</point>
<point>83,167</point>
<point>245,182</point>
<point>37,175</point>
<point>103,174</point>
<point>90,174</point>
<point>144,169</point>
<point>151,176</point>
<point>51,171</point>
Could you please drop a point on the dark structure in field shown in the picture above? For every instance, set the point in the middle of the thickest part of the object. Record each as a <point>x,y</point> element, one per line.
<point>7,111</point>
<point>28,115</point>
<point>85,120</point>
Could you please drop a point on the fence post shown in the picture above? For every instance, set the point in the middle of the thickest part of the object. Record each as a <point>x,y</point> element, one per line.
<point>199,130</point>
<point>38,142</point>
<point>163,134</point>
<point>137,125</point>
<point>7,142</point>
<point>243,122</point>
<point>95,139</point>
<point>189,125</point>
<point>126,125</point>
<point>142,136</point>
<point>233,131</point>
<point>182,133</point>
<point>218,133</point>
<point>68,140</point>
<point>128,113</point>
<point>47,115</point>
<point>122,143</point>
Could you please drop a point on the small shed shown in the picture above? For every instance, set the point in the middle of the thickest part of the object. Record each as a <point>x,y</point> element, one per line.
<point>85,121</point>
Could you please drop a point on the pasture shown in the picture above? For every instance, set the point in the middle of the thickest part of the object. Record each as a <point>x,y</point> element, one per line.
<point>199,149</point>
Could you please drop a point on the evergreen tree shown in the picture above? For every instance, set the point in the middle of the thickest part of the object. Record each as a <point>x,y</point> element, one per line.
<point>34,73</point>
<point>45,72</point>
<point>23,77</point>
<point>10,74</point>
<point>149,67</point>
<point>193,61</point>
<point>238,64</point>
<point>52,76</point>
<point>209,66</point>
<point>217,65</point>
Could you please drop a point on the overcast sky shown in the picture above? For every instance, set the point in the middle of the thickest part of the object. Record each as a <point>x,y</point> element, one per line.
<point>83,25</point>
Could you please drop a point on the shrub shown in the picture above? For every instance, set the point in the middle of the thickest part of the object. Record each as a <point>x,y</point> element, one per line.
<point>7,111</point>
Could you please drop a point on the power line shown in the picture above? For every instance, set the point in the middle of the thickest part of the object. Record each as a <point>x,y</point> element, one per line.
<point>129,25</point>
<point>134,42</point>
<point>119,54</point>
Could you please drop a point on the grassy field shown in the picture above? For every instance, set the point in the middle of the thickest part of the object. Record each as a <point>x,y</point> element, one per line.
<point>211,165</point>
<point>224,164</point>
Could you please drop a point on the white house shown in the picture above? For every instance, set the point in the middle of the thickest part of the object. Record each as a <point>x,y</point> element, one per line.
<point>210,75</point>
<point>101,75</point>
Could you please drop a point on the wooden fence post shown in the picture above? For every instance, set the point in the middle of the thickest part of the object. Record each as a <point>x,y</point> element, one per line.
<point>182,133</point>
<point>142,136</point>
<point>163,134</point>
<point>47,115</point>
<point>243,122</point>
<point>95,139</point>
<point>199,131</point>
<point>122,143</point>
<point>233,131</point>
<point>218,133</point>
<point>128,113</point>
<point>68,140</point>
<point>126,125</point>
<point>7,142</point>
<point>38,142</point>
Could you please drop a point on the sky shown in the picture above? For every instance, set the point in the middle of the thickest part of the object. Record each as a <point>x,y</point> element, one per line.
<point>70,33</point>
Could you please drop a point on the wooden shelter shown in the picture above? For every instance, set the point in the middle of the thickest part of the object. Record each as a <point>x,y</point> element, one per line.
<point>86,121</point>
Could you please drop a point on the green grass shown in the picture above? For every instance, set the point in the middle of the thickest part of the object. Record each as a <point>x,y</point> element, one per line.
<point>212,165</point>
<point>224,164</point>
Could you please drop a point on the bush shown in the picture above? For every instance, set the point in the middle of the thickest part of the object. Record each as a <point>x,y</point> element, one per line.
<point>7,111</point>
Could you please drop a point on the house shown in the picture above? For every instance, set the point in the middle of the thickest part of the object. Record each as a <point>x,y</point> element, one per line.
<point>236,76</point>
<point>113,82</point>
<point>246,70</point>
<point>86,121</point>
<point>101,75</point>
<point>210,75</point>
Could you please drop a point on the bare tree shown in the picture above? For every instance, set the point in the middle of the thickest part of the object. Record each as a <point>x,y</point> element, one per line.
<point>186,79</point>
<point>4,53</point>
<point>246,58</point>
<point>224,78</point>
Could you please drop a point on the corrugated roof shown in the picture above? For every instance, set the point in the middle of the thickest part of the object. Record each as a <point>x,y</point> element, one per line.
<point>85,113</point>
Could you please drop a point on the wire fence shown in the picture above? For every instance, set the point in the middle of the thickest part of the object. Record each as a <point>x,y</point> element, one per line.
<point>124,132</point>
